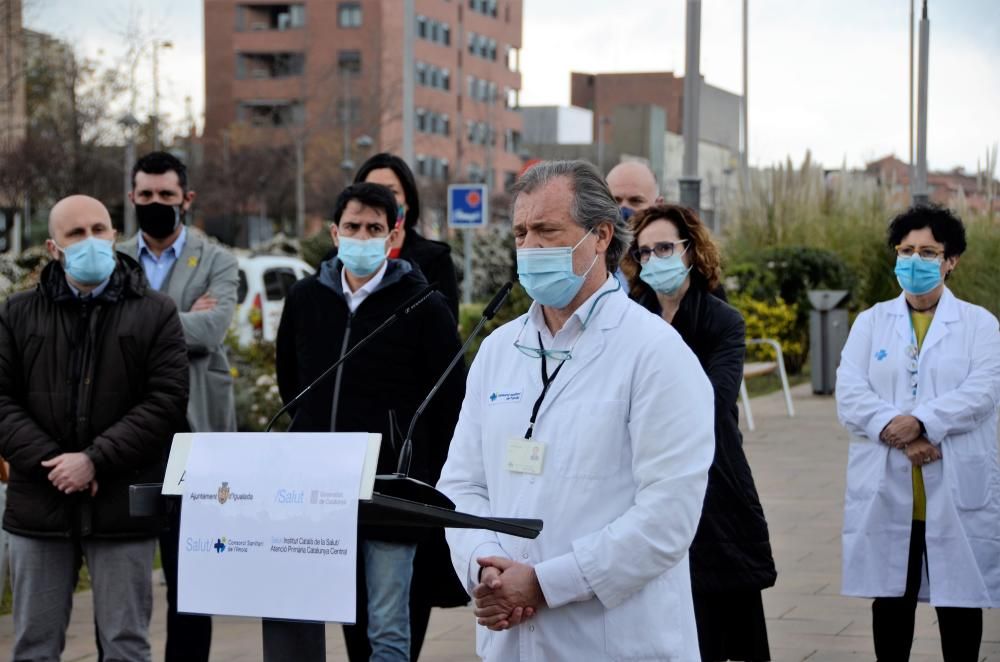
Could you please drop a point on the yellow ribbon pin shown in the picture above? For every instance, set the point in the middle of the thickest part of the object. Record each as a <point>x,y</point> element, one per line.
<point>192,261</point>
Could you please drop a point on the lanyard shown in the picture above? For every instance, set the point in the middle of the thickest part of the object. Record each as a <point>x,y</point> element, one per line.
<point>546,383</point>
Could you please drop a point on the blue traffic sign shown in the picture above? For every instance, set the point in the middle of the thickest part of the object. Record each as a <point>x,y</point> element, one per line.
<point>468,205</point>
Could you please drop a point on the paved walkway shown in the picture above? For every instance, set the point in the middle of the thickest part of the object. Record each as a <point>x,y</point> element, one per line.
<point>799,468</point>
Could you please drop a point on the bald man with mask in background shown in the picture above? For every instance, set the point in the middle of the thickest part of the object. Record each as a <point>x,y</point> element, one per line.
<point>93,383</point>
<point>633,186</point>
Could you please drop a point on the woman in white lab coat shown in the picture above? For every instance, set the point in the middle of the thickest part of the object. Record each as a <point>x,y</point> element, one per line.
<point>918,389</point>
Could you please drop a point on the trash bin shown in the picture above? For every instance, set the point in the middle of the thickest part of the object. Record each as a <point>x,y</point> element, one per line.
<point>827,336</point>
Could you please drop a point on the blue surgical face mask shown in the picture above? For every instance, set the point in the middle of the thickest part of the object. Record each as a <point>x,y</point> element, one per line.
<point>547,274</point>
<point>664,274</point>
<point>89,262</point>
<point>362,257</point>
<point>917,276</point>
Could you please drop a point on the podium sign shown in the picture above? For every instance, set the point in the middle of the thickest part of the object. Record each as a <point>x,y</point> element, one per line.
<point>269,525</point>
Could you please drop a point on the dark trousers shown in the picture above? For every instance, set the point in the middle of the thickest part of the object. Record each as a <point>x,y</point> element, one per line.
<point>356,636</point>
<point>893,618</point>
<point>189,636</point>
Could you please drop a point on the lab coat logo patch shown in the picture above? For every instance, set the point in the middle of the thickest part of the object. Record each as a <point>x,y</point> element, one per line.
<point>881,354</point>
<point>504,396</point>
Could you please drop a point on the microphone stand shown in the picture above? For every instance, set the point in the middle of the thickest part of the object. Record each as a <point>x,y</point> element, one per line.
<point>401,485</point>
<point>408,306</point>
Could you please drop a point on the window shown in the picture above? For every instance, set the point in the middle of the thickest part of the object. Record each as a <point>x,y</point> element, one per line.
<point>349,62</point>
<point>433,31</point>
<point>277,282</point>
<point>241,288</point>
<point>511,58</point>
<point>278,16</point>
<point>269,65</point>
<point>431,122</point>
<point>512,141</point>
<point>485,7</point>
<point>510,98</point>
<point>421,165</point>
<point>349,110</point>
<point>430,75</point>
<point>270,113</point>
<point>349,15</point>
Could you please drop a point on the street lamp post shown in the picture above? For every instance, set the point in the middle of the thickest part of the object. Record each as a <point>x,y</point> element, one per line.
<point>690,183</point>
<point>129,124</point>
<point>409,18</point>
<point>918,186</point>
<point>157,45</point>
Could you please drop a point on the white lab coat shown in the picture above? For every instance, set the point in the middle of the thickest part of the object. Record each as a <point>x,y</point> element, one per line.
<point>628,426</point>
<point>957,397</point>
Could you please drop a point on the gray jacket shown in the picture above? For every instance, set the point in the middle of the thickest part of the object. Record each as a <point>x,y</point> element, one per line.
<point>204,266</point>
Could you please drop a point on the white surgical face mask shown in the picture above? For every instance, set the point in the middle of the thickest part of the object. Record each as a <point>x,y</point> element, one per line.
<point>362,257</point>
<point>547,274</point>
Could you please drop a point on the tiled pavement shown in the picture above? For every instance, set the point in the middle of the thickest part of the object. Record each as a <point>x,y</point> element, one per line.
<point>799,468</point>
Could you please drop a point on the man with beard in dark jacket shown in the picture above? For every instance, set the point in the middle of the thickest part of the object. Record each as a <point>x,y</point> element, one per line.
<point>324,315</point>
<point>93,382</point>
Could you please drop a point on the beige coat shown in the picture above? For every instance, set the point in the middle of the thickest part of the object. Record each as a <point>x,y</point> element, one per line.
<point>204,266</point>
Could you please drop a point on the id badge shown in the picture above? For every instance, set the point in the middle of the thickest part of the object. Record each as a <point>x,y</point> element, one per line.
<point>525,456</point>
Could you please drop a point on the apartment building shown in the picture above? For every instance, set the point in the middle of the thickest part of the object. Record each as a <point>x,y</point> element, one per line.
<point>330,73</point>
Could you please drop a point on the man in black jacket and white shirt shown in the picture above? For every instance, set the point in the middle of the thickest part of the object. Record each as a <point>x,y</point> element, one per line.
<point>326,314</point>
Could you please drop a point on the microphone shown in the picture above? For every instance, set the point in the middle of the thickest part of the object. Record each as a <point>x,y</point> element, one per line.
<point>402,311</point>
<point>400,484</point>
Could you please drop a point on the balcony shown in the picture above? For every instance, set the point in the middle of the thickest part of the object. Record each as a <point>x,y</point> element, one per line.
<point>269,66</point>
<point>264,113</point>
<point>266,18</point>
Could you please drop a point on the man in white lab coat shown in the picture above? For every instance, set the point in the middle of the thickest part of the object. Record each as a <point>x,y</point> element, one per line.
<point>589,413</point>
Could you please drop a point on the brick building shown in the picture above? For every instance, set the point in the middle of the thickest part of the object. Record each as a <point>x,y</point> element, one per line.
<point>13,120</point>
<point>719,110</point>
<point>330,73</point>
<point>953,188</point>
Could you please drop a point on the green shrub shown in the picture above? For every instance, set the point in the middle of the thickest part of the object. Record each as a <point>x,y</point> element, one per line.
<point>516,305</point>
<point>772,319</point>
<point>493,259</point>
<point>255,385</point>
<point>315,248</point>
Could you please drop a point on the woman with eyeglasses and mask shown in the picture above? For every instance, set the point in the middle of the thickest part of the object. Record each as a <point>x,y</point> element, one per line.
<point>917,389</point>
<point>673,267</point>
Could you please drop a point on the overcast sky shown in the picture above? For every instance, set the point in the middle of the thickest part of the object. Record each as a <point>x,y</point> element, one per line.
<point>825,75</point>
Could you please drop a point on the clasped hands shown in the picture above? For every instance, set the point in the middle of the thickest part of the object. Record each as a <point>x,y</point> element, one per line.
<point>72,472</point>
<point>508,593</point>
<point>904,433</point>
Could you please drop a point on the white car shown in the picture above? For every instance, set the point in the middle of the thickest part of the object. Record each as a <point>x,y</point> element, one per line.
<point>264,284</point>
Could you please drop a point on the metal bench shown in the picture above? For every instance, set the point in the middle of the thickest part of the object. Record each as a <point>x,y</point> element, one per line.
<point>759,368</point>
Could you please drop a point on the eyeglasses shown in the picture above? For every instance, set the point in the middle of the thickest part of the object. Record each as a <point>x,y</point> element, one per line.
<point>560,354</point>
<point>539,352</point>
<point>661,249</point>
<point>925,253</point>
